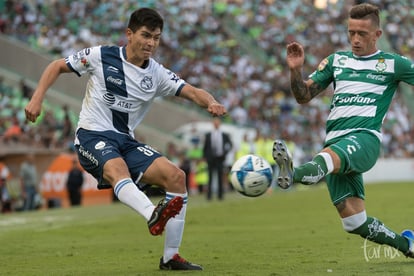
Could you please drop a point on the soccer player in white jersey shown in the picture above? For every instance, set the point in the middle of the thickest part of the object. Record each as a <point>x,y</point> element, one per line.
<point>364,80</point>
<point>123,83</point>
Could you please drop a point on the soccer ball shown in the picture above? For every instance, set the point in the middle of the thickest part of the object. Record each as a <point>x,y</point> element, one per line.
<point>251,175</point>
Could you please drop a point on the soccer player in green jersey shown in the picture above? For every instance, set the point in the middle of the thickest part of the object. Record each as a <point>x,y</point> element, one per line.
<point>364,80</point>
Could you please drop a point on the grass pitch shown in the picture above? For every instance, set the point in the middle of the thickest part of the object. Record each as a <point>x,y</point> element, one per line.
<point>296,232</point>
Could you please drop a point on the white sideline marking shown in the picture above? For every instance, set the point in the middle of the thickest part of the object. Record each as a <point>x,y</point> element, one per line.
<point>33,222</point>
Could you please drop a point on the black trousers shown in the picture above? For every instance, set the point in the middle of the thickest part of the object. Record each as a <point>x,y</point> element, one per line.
<point>75,197</point>
<point>215,169</point>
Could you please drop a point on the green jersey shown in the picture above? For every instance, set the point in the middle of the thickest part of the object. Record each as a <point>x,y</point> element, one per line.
<point>363,90</point>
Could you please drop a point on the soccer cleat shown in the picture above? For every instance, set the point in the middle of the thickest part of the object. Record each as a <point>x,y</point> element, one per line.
<point>178,263</point>
<point>162,213</point>
<point>104,185</point>
<point>283,159</point>
<point>409,235</point>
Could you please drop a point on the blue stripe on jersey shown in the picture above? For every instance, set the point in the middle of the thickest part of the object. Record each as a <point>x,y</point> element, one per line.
<point>120,121</point>
<point>113,71</point>
<point>114,75</point>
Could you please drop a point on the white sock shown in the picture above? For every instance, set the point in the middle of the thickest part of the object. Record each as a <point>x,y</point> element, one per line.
<point>174,229</point>
<point>129,194</point>
<point>328,161</point>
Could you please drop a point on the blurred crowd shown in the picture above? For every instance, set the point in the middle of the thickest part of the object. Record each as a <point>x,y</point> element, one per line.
<point>20,192</point>
<point>233,48</point>
<point>53,130</point>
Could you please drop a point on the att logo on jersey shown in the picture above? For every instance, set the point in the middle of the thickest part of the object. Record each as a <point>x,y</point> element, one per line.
<point>124,104</point>
<point>109,99</point>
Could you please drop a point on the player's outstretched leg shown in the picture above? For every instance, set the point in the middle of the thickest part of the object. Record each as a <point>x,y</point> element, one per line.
<point>178,263</point>
<point>409,235</point>
<point>162,213</point>
<point>283,159</point>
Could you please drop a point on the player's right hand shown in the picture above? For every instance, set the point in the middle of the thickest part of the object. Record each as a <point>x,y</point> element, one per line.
<point>216,109</point>
<point>295,55</point>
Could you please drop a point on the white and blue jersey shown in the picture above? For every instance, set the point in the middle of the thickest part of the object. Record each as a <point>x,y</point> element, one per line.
<point>119,94</point>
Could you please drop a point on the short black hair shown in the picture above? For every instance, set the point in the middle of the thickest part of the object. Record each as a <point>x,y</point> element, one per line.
<point>145,17</point>
<point>365,11</point>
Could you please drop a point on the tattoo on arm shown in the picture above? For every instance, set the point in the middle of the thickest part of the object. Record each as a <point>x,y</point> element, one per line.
<point>298,87</point>
<point>300,90</point>
<point>314,90</point>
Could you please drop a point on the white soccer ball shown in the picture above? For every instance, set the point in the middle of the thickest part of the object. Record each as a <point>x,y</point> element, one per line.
<point>251,175</point>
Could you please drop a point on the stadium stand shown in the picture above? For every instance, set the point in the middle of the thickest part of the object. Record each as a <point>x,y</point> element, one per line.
<point>235,49</point>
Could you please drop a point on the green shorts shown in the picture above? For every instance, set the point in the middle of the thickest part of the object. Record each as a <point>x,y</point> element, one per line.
<point>358,153</point>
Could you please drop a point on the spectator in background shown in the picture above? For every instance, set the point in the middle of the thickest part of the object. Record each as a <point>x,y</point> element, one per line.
<point>246,146</point>
<point>201,175</point>
<point>172,153</point>
<point>262,147</point>
<point>48,129</point>
<point>217,144</point>
<point>14,131</point>
<point>74,183</point>
<point>5,200</point>
<point>25,90</point>
<point>5,90</point>
<point>29,182</point>
<point>66,138</point>
<point>198,166</point>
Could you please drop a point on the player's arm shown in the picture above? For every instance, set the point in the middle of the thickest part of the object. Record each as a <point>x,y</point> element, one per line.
<point>202,98</point>
<point>404,70</point>
<point>49,76</point>
<point>302,90</point>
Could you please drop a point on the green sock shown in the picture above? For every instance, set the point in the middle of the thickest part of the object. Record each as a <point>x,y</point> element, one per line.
<point>374,230</point>
<point>311,172</point>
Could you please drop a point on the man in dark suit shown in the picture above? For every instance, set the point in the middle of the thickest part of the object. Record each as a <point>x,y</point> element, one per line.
<point>217,145</point>
<point>74,183</point>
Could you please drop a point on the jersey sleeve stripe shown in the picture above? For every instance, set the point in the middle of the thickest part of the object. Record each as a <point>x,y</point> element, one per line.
<point>71,68</point>
<point>179,89</point>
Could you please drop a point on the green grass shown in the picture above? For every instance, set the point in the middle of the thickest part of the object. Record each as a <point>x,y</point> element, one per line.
<point>294,232</point>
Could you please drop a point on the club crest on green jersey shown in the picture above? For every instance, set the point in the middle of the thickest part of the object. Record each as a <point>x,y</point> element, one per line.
<point>381,65</point>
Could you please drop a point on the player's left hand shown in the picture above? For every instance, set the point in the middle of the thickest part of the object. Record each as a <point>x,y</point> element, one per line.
<point>32,110</point>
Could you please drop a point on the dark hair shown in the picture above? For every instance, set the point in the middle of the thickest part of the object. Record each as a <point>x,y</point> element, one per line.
<point>365,11</point>
<point>145,17</point>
